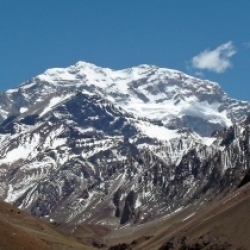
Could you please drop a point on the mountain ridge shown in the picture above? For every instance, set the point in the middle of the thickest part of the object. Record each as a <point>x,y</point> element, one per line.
<point>148,91</point>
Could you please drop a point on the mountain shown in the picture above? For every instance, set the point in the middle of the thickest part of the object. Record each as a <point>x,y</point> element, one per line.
<point>118,148</point>
<point>169,96</point>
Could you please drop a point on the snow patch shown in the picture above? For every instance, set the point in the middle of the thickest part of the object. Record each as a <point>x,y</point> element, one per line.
<point>23,109</point>
<point>55,101</point>
<point>159,132</point>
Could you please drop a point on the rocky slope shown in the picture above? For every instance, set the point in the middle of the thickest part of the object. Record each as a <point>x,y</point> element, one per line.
<point>88,161</point>
<point>222,224</point>
<point>86,155</point>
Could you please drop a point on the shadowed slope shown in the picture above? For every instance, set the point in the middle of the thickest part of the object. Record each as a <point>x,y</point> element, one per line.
<point>20,230</point>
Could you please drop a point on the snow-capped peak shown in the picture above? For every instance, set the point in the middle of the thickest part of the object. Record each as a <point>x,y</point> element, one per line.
<point>148,91</point>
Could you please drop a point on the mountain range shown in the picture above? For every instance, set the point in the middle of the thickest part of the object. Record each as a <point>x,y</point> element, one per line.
<point>119,148</point>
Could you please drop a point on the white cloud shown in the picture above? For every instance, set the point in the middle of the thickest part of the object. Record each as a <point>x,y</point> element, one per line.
<point>217,60</point>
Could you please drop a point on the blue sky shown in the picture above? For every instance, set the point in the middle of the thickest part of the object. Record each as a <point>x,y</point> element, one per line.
<point>209,38</point>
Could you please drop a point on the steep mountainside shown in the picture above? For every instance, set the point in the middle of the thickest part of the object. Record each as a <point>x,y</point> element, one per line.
<point>85,154</point>
<point>87,161</point>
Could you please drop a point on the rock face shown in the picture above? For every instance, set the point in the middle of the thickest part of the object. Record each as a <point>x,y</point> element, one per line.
<point>105,147</point>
